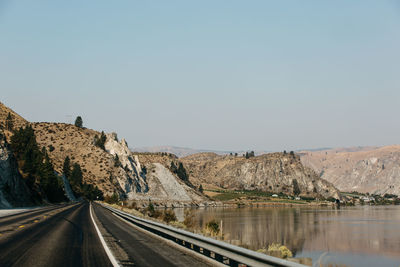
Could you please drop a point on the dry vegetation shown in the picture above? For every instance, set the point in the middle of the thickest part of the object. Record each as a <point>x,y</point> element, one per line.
<point>61,140</point>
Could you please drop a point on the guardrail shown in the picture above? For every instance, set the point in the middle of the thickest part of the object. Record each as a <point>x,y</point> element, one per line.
<point>220,251</point>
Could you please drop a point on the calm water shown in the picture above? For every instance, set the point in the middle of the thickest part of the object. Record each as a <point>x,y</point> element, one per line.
<point>355,236</point>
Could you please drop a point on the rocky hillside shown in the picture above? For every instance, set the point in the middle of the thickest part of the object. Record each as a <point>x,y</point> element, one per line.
<point>165,185</point>
<point>107,162</point>
<point>275,172</point>
<point>13,190</point>
<point>18,121</point>
<point>98,165</point>
<point>373,170</point>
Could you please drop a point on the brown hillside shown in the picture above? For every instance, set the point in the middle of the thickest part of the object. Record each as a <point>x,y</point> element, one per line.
<point>373,170</point>
<point>274,172</point>
<point>61,140</point>
<point>18,121</point>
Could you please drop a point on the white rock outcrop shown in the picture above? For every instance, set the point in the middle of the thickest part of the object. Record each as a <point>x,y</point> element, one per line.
<point>134,180</point>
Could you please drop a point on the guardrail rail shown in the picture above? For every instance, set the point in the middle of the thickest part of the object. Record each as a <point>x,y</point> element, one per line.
<point>222,252</point>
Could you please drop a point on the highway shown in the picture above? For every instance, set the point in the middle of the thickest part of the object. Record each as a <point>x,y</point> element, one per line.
<point>62,236</point>
<point>66,236</point>
<point>141,249</point>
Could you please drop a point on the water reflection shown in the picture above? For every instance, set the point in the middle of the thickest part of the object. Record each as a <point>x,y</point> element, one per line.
<point>368,230</point>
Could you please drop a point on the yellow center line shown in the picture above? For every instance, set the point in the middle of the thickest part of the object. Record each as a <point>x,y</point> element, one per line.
<point>35,220</point>
<point>21,226</point>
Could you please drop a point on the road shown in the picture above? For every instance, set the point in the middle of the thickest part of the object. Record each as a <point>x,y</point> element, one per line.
<point>141,249</point>
<point>65,236</point>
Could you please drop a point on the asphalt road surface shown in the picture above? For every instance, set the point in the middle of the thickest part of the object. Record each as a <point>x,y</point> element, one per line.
<point>65,235</point>
<point>141,248</point>
<point>60,237</point>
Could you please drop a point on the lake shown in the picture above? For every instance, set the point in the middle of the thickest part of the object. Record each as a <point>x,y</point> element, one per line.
<point>354,236</point>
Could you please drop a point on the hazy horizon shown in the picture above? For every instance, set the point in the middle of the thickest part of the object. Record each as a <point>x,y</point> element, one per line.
<point>230,76</point>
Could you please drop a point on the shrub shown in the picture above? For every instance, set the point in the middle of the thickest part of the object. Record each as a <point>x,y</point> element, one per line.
<point>278,250</point>
<point>168,216</point>
<point>213,227</point>
<point>152,212</point>
<point>132,205</point>
<point>189,221</point>
<point>114,199</point>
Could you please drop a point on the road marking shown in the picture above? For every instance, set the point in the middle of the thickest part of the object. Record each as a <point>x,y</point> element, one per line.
<point>35,221</point>
<point>106,248</point>
<point>21,226</point>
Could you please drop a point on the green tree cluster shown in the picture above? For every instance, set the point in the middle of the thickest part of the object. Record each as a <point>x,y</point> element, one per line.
<point>180,171</point>
<point>100,141</point>
<point>36,164</point>
<point>75,177</point>
<point>79,122</point>
<point>249,154</point>
<point>114,199</point>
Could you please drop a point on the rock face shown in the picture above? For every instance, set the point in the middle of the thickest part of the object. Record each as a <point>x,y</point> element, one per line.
<point>373,170</point>
<point>114,169</point>
<point>164,186</point>
<point>13,191</point>
<point>275,172</point>
<point>133,181</point>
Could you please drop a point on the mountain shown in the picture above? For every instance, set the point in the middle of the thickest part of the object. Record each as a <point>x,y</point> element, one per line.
<point>363,169</point>
<point>274,172</point>
<point>105,162</point>
<point>184,151</point>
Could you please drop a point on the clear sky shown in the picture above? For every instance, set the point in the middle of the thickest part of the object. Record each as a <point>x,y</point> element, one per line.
<point>224,75</point>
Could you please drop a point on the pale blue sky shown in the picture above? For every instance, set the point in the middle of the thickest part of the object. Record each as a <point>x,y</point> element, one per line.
<point>224,75</point>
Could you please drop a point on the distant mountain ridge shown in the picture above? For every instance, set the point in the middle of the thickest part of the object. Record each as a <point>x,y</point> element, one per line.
<point>185,151</point>
<point>362,169</point>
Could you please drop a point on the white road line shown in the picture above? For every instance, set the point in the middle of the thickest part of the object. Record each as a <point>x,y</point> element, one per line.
<point>106,248</point>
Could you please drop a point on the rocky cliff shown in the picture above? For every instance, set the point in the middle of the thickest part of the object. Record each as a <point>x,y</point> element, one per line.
<point>275,172</point>
<point>373,170</point>
<point>99,166</point>
<point>112,167</point>
<point>164,185</point>
<point>13,190</point>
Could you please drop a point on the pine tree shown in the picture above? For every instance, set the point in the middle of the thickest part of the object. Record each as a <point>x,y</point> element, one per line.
<point>76,176</point>
<point>181,172</point>
<point>173,167</point>
<point>100,141</point>
<point>117,163</point>
<point>9,122</point>
<point>67,167</point>
<point>79,122</point>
